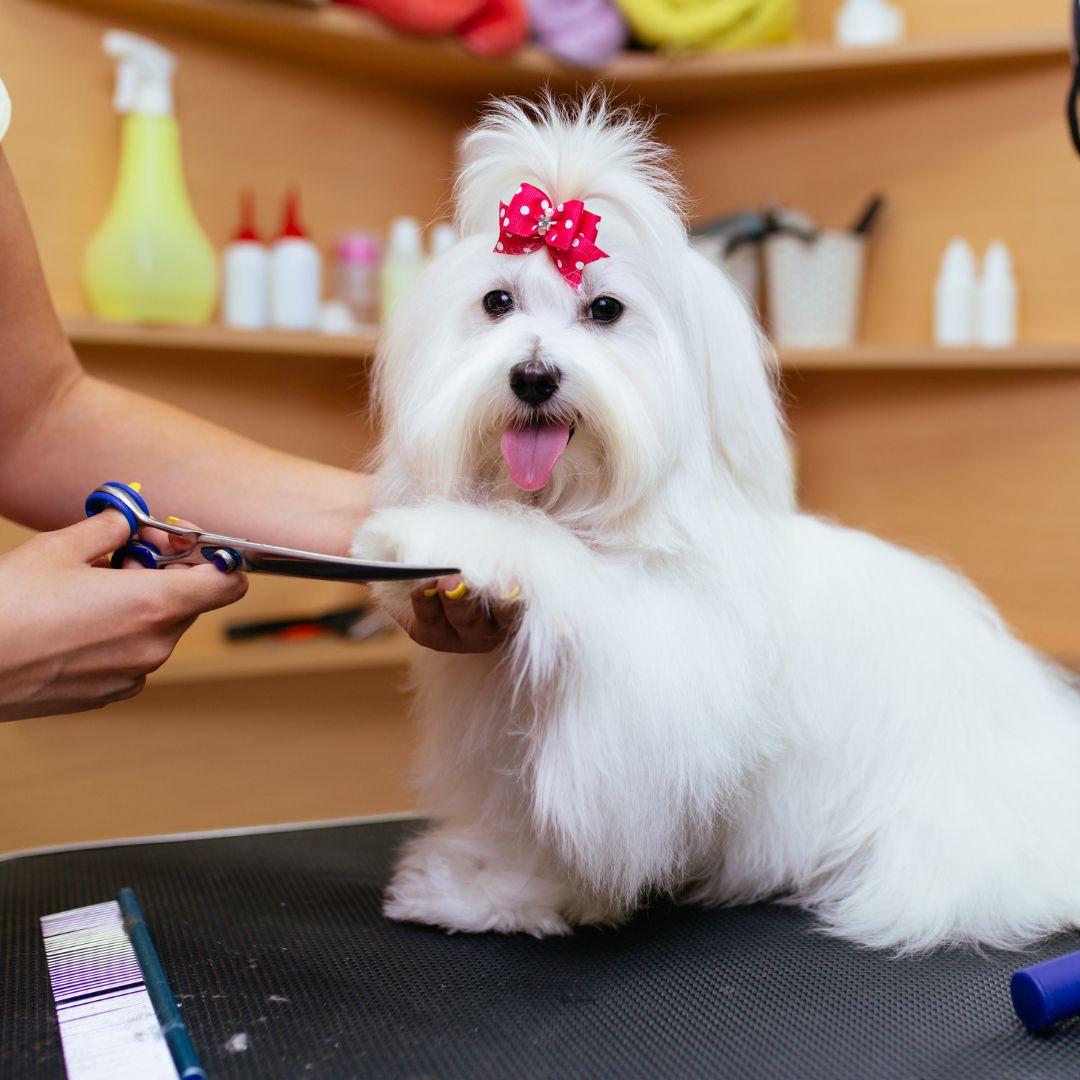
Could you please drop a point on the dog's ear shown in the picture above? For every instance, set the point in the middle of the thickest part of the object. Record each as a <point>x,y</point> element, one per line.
<point>739,373</point>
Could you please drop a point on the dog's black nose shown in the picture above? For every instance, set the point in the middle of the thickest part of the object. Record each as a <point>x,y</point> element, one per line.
<point>534,382</point>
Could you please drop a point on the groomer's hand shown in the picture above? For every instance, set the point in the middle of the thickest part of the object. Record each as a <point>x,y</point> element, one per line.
<point>448,617</point>
<point>75,635</point>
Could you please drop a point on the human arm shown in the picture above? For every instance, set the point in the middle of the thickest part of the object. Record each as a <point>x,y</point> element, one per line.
<point>62,432</point>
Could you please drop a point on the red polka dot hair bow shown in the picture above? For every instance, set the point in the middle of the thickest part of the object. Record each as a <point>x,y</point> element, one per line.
<point>567,230</point>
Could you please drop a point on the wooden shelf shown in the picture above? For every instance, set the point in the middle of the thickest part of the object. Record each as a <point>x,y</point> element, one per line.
<point>931,358</point>
<point>200,661</point>
<point>351,40</point>
<point>87,333</point>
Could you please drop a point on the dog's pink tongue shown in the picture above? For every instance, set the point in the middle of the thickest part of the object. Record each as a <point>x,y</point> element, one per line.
<point>531,451</point>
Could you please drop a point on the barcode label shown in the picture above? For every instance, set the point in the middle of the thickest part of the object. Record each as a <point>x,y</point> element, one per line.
<point>108,1027</point>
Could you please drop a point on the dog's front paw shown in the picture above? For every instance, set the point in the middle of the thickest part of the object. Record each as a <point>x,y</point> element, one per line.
<point>474,540</point>
<point>455,881</point>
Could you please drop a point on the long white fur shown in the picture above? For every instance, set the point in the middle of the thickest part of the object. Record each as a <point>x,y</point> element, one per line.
<point>709,693</point>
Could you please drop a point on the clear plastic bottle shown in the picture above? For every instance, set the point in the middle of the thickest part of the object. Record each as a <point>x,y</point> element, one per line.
<point>402,262</point>
<point>356,276</point>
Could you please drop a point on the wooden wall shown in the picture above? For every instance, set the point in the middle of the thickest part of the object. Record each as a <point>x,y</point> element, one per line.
<point>977,468</point>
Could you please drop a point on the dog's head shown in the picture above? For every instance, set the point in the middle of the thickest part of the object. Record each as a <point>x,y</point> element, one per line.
<point>499,379</point>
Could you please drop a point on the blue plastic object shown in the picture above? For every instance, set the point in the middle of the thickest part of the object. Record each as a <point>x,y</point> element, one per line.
<point>1047,993</point>
<point>101,500</point>
<point>157,987</point>
<point>225,559</point>
<point>142,551</point>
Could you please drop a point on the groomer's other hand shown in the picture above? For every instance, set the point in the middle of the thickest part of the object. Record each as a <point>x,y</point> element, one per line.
<point>75,635</point>
<point>449,618</point>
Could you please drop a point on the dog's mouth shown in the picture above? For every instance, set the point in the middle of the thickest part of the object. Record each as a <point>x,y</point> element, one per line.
<point>532,448</point>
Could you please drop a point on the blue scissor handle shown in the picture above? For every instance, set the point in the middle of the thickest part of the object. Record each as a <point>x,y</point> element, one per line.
<point>142,551</point>
<point>99,500</point>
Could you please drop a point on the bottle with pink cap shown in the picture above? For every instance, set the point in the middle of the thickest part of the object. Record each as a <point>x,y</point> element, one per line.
<point>356,276</point>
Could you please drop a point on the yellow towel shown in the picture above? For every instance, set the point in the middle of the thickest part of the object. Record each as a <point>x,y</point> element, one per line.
<point>710,24</point>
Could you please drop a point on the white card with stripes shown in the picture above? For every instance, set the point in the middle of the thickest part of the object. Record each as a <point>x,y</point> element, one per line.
<point>108,1027</point>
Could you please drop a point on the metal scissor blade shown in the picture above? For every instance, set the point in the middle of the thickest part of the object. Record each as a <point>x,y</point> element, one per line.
<point>294,562</point>
<point>342,569</point>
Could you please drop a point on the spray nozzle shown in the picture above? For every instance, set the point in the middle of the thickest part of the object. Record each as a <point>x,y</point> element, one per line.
<point>143,74</point>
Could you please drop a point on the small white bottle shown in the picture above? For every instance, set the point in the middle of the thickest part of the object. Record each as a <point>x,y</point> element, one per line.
<point>443,237</point>
<point>997,299</point>
<point>402,262</point>
<point>865,23</point>
<point>245,275</point>
<point>295,274</point>
<point>955,298</point>
<point>5,109</point>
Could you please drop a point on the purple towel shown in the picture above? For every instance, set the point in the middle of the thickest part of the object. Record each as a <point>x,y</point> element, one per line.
<point>585,33</point>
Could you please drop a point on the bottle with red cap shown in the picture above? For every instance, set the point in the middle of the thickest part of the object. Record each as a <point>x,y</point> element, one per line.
<point>245,274</point>
<point>295,273</point>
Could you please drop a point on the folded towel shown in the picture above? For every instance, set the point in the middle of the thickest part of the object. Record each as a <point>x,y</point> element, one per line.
<point>585,33</point>
<point>710,24</point>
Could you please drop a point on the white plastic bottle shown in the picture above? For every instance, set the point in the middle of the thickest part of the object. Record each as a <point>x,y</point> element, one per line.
<point>443,237</point>
<point>955,298</point>
<point>402,262</point>
<point>295,274</point>
<point>865,23</point>
<point>245,275</point>
<point>5,109</point>
<point>997,299</point>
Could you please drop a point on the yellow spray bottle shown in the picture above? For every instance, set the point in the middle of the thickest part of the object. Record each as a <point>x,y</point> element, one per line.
<point>149,261</point>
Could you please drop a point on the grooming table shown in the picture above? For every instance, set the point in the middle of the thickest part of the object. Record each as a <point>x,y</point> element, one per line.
<point>278,935</point>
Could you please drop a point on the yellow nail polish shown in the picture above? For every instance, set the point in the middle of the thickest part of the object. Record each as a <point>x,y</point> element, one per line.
<point>170,520</point>
<point>431,592</point>
<point>458,593</point>
<point>513,594</point>
<point>135,486</point>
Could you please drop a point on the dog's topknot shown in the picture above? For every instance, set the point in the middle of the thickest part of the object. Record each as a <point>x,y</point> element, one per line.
<point>585,149</point>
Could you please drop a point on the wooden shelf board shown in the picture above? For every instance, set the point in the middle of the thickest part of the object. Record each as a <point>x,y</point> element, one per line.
<point>87,333</point>
<point>354,41</point>
<point>871,357</point>
<point>201,661</point>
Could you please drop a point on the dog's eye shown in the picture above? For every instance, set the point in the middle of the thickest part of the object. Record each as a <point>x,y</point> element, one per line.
<point>498,302</point>
<point>605,309</point>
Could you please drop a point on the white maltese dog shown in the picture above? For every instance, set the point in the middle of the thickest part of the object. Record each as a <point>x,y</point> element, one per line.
<point>708,694</point>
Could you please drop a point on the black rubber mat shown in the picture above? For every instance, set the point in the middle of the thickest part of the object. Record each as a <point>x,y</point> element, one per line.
<point>279,937</point>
